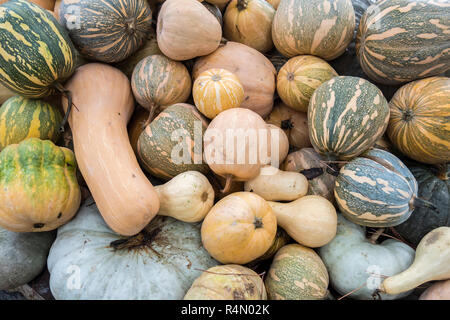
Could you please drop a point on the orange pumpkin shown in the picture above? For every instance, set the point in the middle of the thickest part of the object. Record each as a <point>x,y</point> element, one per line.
<point>239,228</point>
<point>216,90</point>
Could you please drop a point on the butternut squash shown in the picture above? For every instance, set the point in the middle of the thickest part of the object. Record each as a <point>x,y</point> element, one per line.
<point>431,263</point>
<point>187,197</point>
<point>104,104</point>
<point>276,185</point>
<point>310,220</point>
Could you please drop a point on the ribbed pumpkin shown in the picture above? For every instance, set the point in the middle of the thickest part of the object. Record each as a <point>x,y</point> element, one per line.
<point>297,273</point>
<point>227,282</point>
<point>420,116</point>
<point>376,190</point>
<point>159,81</point>
<point>22,118</point>
<point>320,175</point>
<point>172,142</point>
<point>39,187</point>
<point>293,123</point>
<point>106,30</point>
<point>434,186</point>
<point>408,41</point>
<point>346,115</point>
<point>299,78</point>
<point>316,27</point>
<point>149,48</point>
<point>36,53</point>
<point>216,90</point>
<point>249,22</point>
<point>253,69</point>
<point>186,29</point>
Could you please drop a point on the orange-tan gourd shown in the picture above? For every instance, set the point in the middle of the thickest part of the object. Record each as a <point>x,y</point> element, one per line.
<point>104,104</point>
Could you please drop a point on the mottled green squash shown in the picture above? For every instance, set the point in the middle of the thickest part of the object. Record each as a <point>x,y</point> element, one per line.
<point>172,142</point>
<point>297,273</point>
<point>376,190</point>
<point>403,40</point>
<point>22,118</point>
<point>36,53</point>
<point>346,115</point>
<point>434,186</point>
<point>39,187</point>
<point>317,27</point>
<point>106,30</point>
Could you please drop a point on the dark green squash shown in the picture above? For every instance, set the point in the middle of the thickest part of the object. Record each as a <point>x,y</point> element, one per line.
<point>107,30</point>
<point>434,186</point>
<point>162,145</point>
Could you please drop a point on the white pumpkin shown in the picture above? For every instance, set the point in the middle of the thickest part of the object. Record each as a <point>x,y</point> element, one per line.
<point>353,262</point>
<point>89,261</point>
<point>22,256</point>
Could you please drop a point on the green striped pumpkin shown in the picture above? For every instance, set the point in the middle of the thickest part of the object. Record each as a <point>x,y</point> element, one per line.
<point>346,115</point>
<point>297,273</point>
<point>172,143</point>
<point>403,40</point>
<point>107,30</point>
<point>323,28</point>
<point>36,53</point>
<point>22,118</point>
<point>300,77</point>
<point>376,190</point>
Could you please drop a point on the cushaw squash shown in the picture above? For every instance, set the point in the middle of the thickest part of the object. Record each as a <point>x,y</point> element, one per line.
<point>108,31</point>
<point>310,220</point>
<point>357,265</point>
<point>227,282</point>
<point>420,114</point>
<point>377,190</point>
<point>186,29</point>
<point>249,22</point>
<point>89,261</point>
<point>277,185</point>
<point>297,273</point>
<point>187,197</point>
<point>239,228</point>
<point>22,256</point>
<point>40,191</point>
<point>438,291</point>
<point>254,70</point>
<point>434,186</point>
<point>125,197</point>
<point>431,263</point>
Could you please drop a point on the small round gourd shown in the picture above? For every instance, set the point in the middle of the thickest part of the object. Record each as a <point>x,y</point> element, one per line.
<point>300,77</point>
<point>216,90</point>
<point>22,118</point>
<point>227,282</point>
<point>239,228</point>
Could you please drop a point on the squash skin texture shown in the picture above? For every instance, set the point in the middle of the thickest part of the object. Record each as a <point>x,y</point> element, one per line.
<point>40,187</point>
<point>438,291</point>
<point>125,197</point>
<point>297,273</point>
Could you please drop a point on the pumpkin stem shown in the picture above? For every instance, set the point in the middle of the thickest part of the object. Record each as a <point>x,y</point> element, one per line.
<point>143,238</point>
<point>68,96</point>
<point>408,115</point>
<point>241,5</point>
<point>223,42</point>
<point>421,203</point>
<point>376,235</point>
<point>441,172</point>
<point>130,25</point>
<point>227,184</point>
<point>150,116</point>
<point>258,223</point>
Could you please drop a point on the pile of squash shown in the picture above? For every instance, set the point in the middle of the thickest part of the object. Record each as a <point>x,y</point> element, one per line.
<point>243,149</point>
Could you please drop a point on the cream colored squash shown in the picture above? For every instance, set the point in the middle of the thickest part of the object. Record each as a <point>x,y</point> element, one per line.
<point>280,143</point>
<point>276,185</point>
<point>310,220</point>
<point>187,197</point>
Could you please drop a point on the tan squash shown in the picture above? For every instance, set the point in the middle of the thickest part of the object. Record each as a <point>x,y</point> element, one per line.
<point>239,228</point>
<point>240,158</point>
<point>280,142</point>
<point>187,197</point>
<point>310,220</point>
<point>432,262</point>
<point>5,94</point>
<point>254,70</point>
<point>293,123</point>
<point>104,104</point>
<point>276,185</point>
<point>46,4</point>
<point>438,291</point>
<point>186,29</point>
<point>227,282</point>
